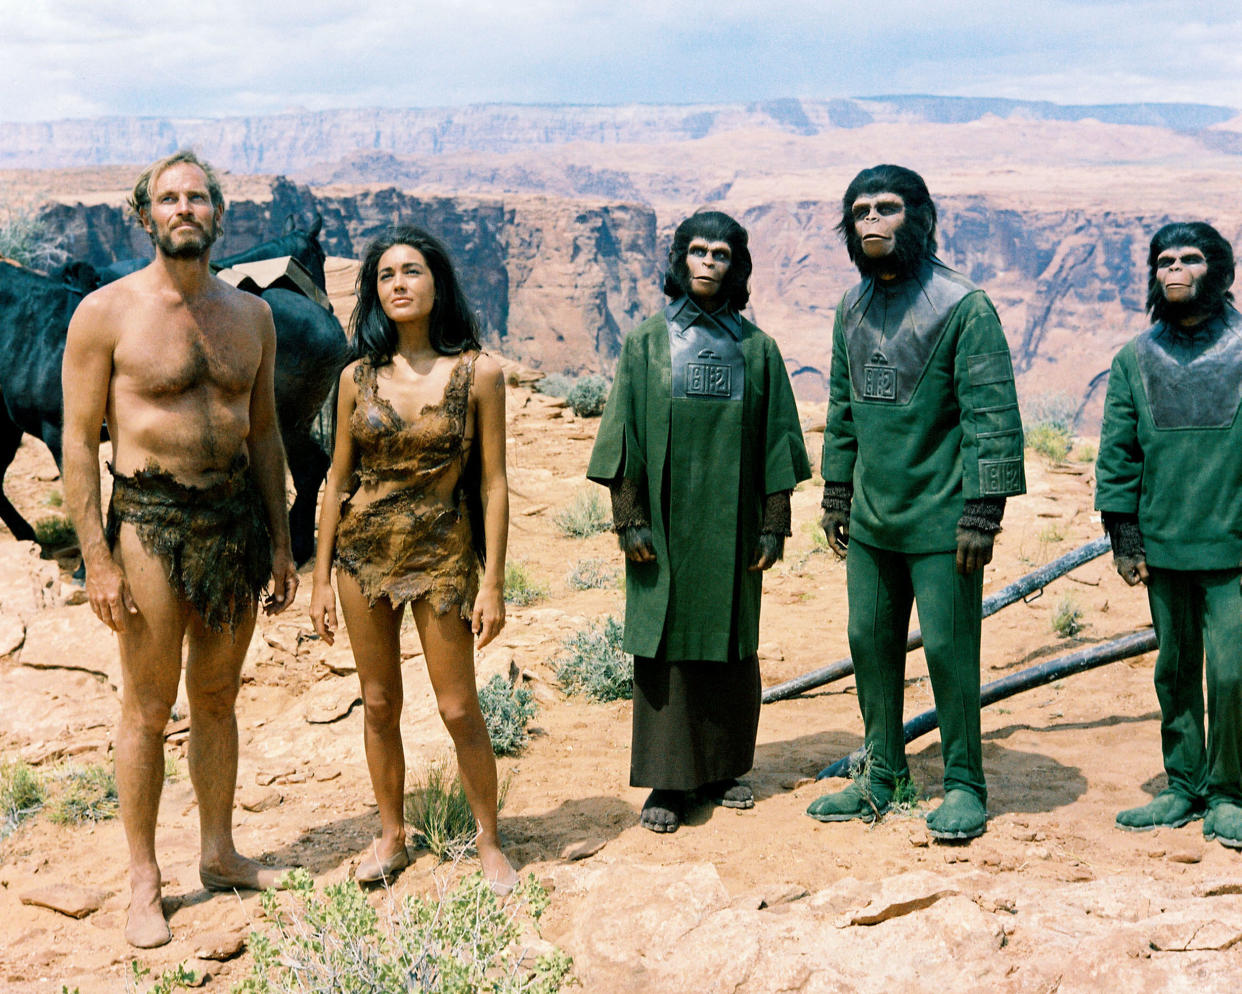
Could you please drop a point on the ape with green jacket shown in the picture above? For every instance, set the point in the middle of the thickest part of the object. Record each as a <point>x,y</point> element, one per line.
<point>700,446</point>
<point>1168,483</point>
<point>923,444</point>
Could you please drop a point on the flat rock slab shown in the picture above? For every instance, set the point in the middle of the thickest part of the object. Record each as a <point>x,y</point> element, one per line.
<point>902,895</point>
<point>331,701</point>
<point>1186,931</point>
<point>219,945</point>
<point>258,799</point>
<point>581,850</point>
<point>67,899</point>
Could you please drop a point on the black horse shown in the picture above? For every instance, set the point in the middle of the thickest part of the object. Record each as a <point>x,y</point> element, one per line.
<point>35,310</point>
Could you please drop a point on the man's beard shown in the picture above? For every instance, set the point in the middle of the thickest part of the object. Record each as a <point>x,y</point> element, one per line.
<point>188,248</point>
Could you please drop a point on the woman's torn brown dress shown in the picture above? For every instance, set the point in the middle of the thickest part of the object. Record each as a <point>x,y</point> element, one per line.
<point>405,532</point>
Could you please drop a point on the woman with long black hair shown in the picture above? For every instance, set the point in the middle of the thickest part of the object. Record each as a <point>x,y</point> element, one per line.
<point>416,497</point>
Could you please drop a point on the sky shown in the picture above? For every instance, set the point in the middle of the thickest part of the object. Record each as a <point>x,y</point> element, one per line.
<point>171,58</point>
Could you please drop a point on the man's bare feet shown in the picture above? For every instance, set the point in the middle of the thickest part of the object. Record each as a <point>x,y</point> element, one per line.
<point>497,870</point>
<point>146,926</point>
<point>382,863</point>
<point>240,873</point>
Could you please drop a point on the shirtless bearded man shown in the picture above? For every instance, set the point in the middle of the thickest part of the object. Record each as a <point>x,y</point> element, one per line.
<point>181,365</point>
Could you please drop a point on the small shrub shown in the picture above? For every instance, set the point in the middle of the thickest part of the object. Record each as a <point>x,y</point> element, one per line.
<point>593,663</point>
<point>176,978</point>
<point>588,397</point>
<point>1056,410</point>
<point>506,710</point>
<point>54,498</point>
<point>905,794</point>
<point>439,813</point>
<point>1050,441</point>
<point>462,940</point>
<point>21,794</point>
<point>584,516</point>
<point>24,238</point>
<point>1067,618</point>
<point>55,532</point>
<point>87,794</point>
<point>1051,534</point>
<point>1084,453</point>
<point>592,574</point>
<point>521,589</point>
<point>555,385</point>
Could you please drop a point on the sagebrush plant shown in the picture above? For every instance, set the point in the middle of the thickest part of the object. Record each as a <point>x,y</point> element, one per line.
<point>21,794</point>
<point>589,396</point>
<point>555,385</point>
<point>25,238</point>
<point>1086,452</point>
<point>1052,533</point>
<point>592,662</point>
<point>55,532</point>
<point>438,812</point>
<point>86,793</point>
<point>1067,617</point>
<point>462,941</point>
<point>593,574</point>
<point>1049,441</point>
<point>584,516</point>
<point>521,588</point>
<point>506,710</point>
<point>1049,425</point>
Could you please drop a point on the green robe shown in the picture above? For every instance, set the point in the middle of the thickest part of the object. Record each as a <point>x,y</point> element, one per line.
<point>705,466</point>
<point>949,432</point>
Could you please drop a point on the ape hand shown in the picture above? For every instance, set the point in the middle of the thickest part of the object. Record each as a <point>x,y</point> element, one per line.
<point>836,526</point>
<point>637,543</point>
<point>771,549</point>
<point>1132,569</point>
<point>974,549</point>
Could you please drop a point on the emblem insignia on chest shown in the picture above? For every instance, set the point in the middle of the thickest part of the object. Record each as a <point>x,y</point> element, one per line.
<point>879,378</point>
<point>709,376</point>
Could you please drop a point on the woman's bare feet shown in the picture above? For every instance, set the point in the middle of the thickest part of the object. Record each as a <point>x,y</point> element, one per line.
<point>146,926</point>
<point>239,873</point>
<point>383,862</point>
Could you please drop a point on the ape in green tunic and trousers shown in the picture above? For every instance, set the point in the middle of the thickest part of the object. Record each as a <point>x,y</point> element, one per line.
<point>1169,485</point>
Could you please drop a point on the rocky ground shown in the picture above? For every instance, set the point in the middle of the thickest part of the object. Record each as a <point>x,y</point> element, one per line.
<point>1052,898</point>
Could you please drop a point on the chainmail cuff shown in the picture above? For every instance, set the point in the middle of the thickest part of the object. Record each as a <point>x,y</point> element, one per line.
<point>837,497</point>
<point>776,516</point>
<point>983,514</point>
<point>1123,534</point>
<point>627,505</point>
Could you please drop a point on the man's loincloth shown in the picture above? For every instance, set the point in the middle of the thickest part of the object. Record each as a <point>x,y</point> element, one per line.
<point>213,541</point>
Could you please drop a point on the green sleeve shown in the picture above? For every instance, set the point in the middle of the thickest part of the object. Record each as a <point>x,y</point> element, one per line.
<point>840,434</point>
<point>786,464</point>
<point>618,450</point>
<point>1119,466</point>
<point>991,446</point>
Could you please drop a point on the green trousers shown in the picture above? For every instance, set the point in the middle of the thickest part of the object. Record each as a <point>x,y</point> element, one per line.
<point>1194,611</point>
<point>882,586</point>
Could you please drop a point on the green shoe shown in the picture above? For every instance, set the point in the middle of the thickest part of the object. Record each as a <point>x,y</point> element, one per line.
<point>1223,823</point>
<point>852,803</point>
<point>1167,810</point>
<point>961,816</point>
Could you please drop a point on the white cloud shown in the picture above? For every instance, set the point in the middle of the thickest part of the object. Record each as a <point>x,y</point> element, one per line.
<point>75,58</point>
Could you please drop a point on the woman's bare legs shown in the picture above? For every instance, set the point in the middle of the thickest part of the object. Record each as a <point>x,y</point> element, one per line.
<point>449,648</point>
<point>375,636</point>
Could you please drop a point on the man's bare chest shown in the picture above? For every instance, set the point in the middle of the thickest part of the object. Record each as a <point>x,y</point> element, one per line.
<point>165,359</point>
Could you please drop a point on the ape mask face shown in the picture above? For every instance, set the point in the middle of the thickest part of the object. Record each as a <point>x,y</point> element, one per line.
<point>709,232</point>
<point>888,221</point>
<point>1190,269</point>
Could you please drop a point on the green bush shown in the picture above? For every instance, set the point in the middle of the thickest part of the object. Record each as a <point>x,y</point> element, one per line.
<point>1067,618</point>
<point>588,397</point>
<point>439,813</point>
<point>55,532</point>
<point>21,794</point>
<point>592,574</point>
<point>521,589</point>
<point>462,942</point>
<point>584,516</point>
<point>593,663</point>
<point>555,385</point>
<point>1050,441</point>
<point>25,239</point>
<point>506,710</point>
<point>1056,410</point>
<point>86,794</point>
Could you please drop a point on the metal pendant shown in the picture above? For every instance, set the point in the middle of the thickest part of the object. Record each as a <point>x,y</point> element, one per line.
<point>709,376</point>
<point>879,378</point>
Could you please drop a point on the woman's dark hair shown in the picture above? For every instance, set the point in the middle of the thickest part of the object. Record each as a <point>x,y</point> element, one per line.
<point>454,328</point>
<point>714,226</point>
<point>916,239</point>
<point>1214,291</point>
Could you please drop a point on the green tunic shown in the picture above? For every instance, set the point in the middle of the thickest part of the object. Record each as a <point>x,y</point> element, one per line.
<point>706,466</point>
<point>1180,471</point>
<point>922,410</point>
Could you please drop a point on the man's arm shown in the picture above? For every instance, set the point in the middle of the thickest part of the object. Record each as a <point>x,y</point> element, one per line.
<point>86,374</point>
<point>840,447</point>
<point>1119,476</point>
<point>267,461</point>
